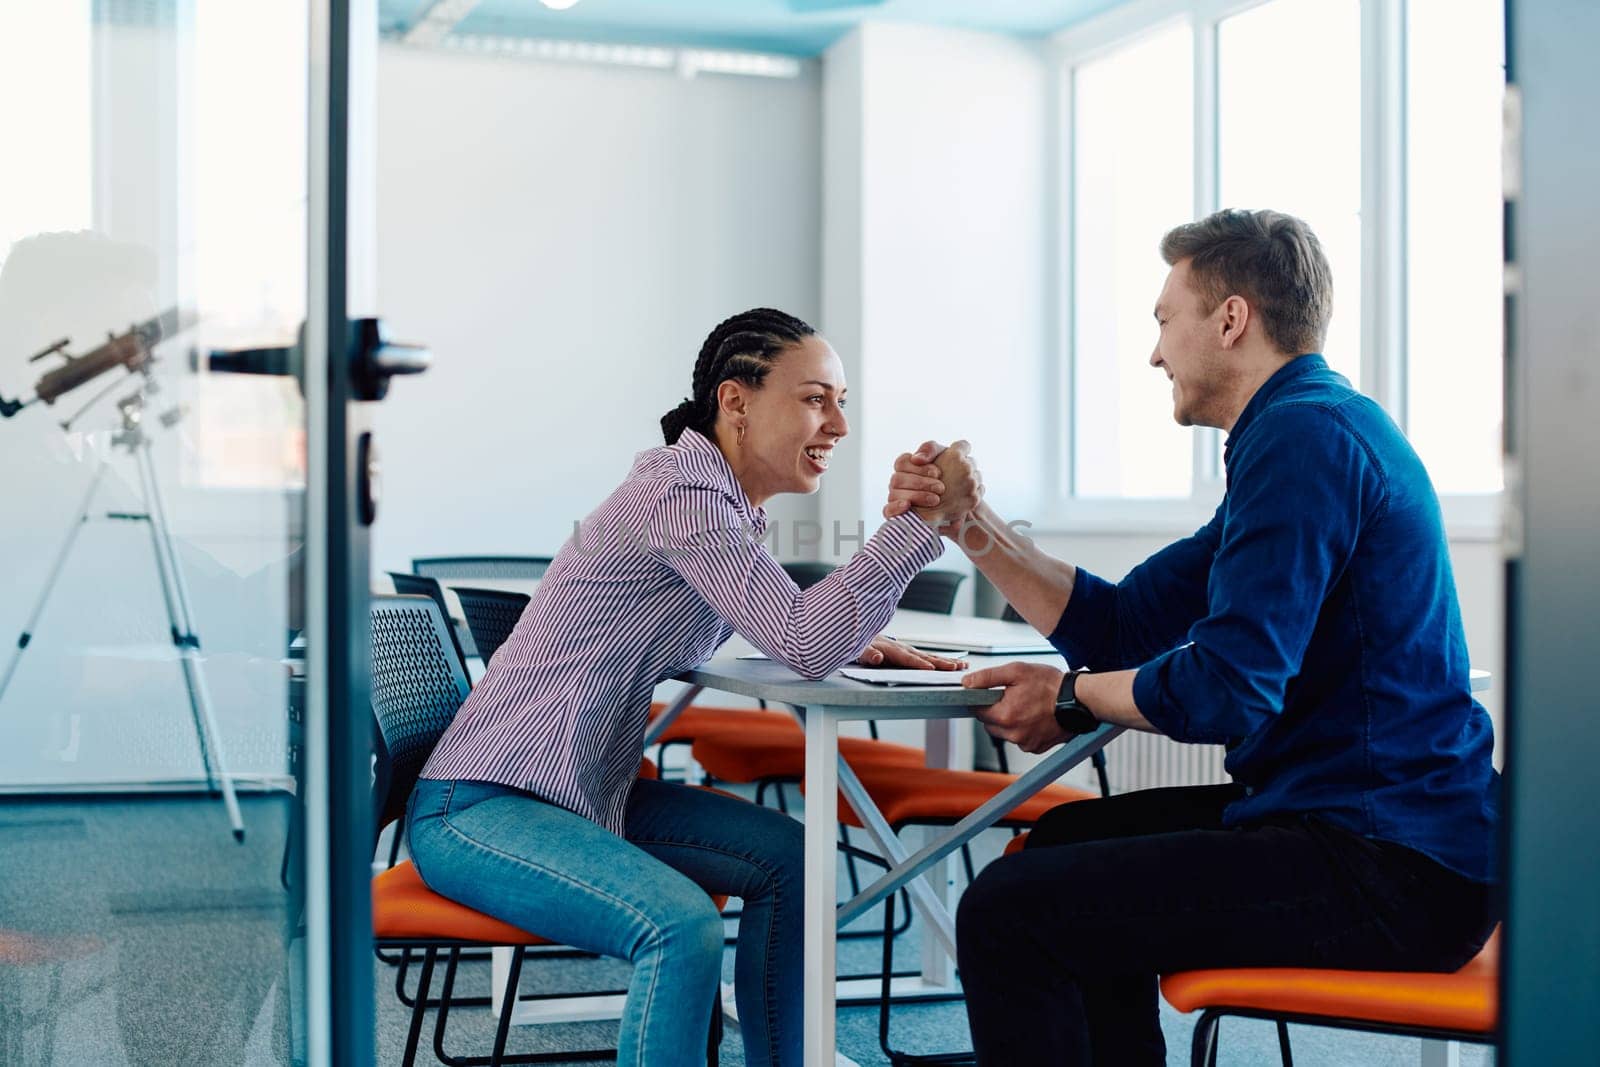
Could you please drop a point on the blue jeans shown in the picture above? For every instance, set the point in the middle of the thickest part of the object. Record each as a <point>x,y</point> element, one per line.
<point>644,899</point>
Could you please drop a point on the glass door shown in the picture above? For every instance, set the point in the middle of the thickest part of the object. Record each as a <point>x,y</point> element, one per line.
<point>184,729</point>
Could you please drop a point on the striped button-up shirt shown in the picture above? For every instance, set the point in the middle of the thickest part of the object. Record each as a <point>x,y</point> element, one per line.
<point>651,584</point>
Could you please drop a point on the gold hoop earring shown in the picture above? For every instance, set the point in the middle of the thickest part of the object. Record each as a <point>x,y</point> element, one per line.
<point>741,433</point>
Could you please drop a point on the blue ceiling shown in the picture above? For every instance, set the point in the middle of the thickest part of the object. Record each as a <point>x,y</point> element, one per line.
<point>789,27</point>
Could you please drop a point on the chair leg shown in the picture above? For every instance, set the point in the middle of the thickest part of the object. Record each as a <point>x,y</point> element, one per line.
<point>849,859</point>
<point>1099,762</point>
<point>507,1006</point>
<point>440,1019</point>
<point>714,1038</point>
<point>897,1057</point>
<point>888,971</point>
<point>1283,1044</point>
<point>1203,1051</point>
<point>418,1009</point>
<point>404,964</point>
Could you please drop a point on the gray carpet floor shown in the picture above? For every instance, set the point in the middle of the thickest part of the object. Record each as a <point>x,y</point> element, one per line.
<point>162,943</point>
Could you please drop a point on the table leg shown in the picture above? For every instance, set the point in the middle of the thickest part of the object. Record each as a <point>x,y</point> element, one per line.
<point>670,714</point>
<point>821,897</point>
<point>940,743</point>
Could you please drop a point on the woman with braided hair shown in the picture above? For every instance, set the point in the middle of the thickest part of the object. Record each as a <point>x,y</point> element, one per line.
<point>529,809</point>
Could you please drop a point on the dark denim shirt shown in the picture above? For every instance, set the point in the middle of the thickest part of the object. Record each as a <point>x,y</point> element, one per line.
<point>1312,627</point>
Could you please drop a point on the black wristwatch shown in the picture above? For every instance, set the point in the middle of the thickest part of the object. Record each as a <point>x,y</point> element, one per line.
<point>1072,716</point>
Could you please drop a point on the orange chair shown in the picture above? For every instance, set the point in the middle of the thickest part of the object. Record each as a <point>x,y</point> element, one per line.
<point>774,754</point>
<point>933,796</point>
<point>1462,1006</point>
<point>417,686</point>
<point>696,720</point>
<point>1448,1007</point>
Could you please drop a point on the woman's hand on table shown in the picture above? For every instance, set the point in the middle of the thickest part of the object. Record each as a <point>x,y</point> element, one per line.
<point>887,652</point>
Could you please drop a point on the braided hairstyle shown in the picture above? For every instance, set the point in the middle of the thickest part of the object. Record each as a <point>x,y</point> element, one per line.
<point>742,348</point>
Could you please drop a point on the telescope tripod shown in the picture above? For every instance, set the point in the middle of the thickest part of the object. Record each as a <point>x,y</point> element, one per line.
<point>174,594</point>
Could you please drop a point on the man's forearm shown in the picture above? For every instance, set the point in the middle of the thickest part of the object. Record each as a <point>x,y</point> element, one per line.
<point>1035,583</point>
<point>1110,697</point>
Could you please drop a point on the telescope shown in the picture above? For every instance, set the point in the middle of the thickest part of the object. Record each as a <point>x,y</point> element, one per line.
<point>132,349</point>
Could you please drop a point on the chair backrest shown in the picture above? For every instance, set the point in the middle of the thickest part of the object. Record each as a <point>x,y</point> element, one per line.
<point>929,591</point>
<point>418,685</point>
<point>491,616</point>
<point>448,567</point>
<point>807,573</point>
<point>413,585</point>
<point>933,591</point>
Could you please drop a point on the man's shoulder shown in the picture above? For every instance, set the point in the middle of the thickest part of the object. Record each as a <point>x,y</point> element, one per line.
<point>1327,412</point>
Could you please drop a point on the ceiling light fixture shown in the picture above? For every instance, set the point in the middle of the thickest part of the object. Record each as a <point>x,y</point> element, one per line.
<point>686,61</point>
<point>558,5</point>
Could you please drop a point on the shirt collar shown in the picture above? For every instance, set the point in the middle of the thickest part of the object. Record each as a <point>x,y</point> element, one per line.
<point>1292,371</point>
<point>709,458</point>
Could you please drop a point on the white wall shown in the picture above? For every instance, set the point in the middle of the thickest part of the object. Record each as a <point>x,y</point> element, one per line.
<point>564,237</point>
<point>937,250</point>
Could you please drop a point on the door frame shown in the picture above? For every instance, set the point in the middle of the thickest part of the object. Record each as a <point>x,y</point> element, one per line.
<point>341,1014</point>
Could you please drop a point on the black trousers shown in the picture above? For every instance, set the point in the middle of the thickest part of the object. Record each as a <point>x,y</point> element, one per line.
<point>1060,944</point>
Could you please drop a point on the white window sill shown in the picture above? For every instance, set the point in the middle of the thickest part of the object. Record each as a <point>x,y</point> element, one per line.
<point>1467,518</point>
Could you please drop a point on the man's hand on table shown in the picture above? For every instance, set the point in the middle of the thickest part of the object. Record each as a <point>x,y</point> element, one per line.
<point>1026,715</point>
<point>887,652</point>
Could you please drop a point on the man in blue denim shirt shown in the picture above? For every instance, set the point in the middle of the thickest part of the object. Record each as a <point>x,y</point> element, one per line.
<point>1311,627</point>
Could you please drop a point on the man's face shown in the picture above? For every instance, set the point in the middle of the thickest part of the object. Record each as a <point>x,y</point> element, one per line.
<point>1188,348</point>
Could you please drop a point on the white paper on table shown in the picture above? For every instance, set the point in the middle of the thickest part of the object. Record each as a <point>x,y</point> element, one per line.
<point>941,653</point>
<point>895,676</point>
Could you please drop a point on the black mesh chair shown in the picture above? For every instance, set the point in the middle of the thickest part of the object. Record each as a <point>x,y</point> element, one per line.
<point>418,684</point>
<point>416,690</point>
<point>451,567</point>
<point>491,616</point>
<point>413,585</point>
<point>933,591</point>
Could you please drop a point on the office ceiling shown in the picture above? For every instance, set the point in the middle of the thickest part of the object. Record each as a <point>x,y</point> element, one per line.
<point>789,27</point>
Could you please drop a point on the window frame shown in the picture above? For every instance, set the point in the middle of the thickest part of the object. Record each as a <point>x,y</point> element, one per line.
<point>1468,516</point>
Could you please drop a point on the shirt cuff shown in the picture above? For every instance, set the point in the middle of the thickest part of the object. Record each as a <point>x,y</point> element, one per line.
<point>1083,623</point>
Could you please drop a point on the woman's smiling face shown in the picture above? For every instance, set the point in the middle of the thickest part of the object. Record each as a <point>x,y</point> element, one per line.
<point>791,423</point>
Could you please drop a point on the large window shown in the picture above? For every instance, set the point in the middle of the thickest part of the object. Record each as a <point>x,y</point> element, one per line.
<point>1289,137</point>
<point>249,265</point>
<point>1132,172</point>
<point>1376,122</point>
<point>1455,66</point>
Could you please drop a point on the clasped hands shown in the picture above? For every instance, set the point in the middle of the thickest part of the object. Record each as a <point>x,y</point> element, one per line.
<point>944,486</point>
